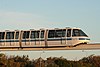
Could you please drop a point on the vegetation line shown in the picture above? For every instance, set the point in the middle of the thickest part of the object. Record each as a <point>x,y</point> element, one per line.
<point>24,61</point>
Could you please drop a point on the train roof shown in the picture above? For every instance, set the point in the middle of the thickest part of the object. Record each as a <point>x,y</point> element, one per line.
<point>39,29</point>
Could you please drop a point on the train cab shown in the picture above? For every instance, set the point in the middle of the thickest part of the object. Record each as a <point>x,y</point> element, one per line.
<point>67,36</point>
<point>76,36</point>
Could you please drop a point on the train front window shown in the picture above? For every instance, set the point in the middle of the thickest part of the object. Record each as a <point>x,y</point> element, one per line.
<point>82,33</point>
<point>78,32</point>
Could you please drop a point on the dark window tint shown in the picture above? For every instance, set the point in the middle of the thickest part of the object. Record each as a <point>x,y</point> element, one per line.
<point>63,33</point>
<point>35,34</point>
<point>60,33</point>
<point>32,34</point>
<point>2,34</point>
<point>42,34</point>
<point>26,34</point>
<point>10,35</point>
<point>69,33</point>
<point>17,35</point>
<point>82,33</point>
<point>77,32</point>
<point>51,34</point>
<point>56,33</point>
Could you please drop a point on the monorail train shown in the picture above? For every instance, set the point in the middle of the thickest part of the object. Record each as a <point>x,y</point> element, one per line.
<point>43,37</point>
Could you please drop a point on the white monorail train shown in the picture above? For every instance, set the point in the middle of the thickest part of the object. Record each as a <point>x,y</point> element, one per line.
<point>43,37</point>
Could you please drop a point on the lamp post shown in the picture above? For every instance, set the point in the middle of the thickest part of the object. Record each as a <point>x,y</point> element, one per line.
<point>41,57</point>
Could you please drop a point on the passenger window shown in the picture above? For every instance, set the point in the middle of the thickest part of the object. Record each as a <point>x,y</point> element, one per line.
<point>17,35</point>
<point>26,34</point>
<point>64,33</point>
<point>34,34</point>
<point>42,34</point>
<point>2,34</point>
<point>56,33</point>
<point>10,35</point>
<point>37,34</point>
<point>60,33</point>
<point>76,32</point>
<point>51,34</point>
<point>69,33</point>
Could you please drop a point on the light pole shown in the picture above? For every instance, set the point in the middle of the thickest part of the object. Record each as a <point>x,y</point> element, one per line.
<point>41,57</point>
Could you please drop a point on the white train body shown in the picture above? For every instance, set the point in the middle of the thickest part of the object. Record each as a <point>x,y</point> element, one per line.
<point>43,37</point>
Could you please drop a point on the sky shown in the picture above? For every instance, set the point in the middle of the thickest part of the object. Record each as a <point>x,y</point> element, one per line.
<point>36,14</point>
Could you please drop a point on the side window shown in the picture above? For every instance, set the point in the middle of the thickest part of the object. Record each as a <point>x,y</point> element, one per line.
<point>64,33</point>
<point>34,34</point>
<point>2,34</point>
<point>42,34</point>
<point>10,35</point>
<point>51,34</point>
<point>17,35</point>
<point>26,34</point>
<point>76,32</point>
<point>58,33</point>
<point>69,33</point>
<point>37,34</point>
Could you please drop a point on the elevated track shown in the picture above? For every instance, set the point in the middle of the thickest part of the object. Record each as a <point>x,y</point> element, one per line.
<point>93,46</point>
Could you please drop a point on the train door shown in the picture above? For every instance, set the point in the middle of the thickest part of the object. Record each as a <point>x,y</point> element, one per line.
<point>69,37</point>
<point>17,38</point>
<point>10,38</point>
<point>42,37</point>
<point>34,38</point>
<point>25,38</point>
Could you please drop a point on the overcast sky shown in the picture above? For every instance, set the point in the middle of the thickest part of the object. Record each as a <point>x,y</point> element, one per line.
<point>35,14</point>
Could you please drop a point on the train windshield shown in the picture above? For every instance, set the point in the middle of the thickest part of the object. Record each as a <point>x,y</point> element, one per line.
<point>78,32</point>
